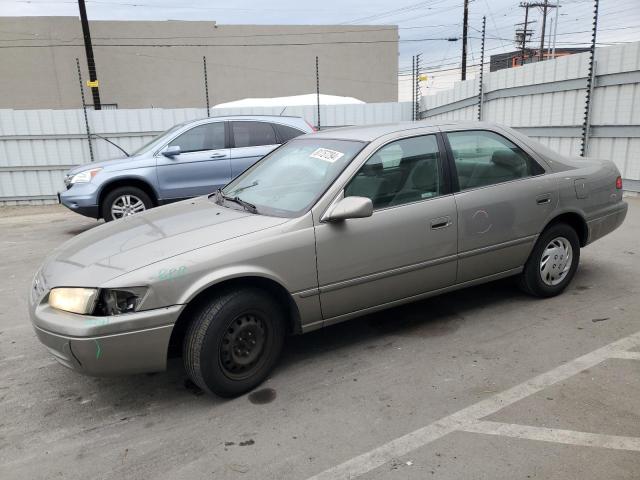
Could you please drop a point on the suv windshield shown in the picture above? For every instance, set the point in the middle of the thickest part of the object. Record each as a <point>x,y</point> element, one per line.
<point>290,180</point>
<point>156,141</point>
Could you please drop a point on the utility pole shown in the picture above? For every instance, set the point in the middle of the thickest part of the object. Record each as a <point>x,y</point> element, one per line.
<point>91,64</point>
<point>524,32</point>
<point>84,109</point>
<point>587,107</point>
<point>481,89</point>
<point>544,24</point>
<point>465,24</point>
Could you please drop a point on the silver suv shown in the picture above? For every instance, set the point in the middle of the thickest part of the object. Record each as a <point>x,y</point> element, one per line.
<point>190,159</point>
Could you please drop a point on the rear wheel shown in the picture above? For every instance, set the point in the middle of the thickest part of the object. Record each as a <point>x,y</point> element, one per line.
<point>553,262</point>
<point>234,341</point>
<point>124,202</point>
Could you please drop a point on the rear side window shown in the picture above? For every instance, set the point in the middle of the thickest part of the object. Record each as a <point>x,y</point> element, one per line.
<point>253,134</point>
<point>209,136</point>
<point>286,133</point>
<point>485,158</point>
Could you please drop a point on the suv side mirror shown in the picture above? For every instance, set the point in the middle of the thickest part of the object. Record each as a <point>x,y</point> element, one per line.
<point>172,151</point>
<point>350,207</point>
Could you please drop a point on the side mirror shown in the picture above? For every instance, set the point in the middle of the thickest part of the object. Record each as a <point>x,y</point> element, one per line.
<point>172,151</point>
<point>350,207</point>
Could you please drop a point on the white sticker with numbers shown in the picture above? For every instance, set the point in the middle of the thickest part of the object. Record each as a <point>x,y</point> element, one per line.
<point>327,155</point>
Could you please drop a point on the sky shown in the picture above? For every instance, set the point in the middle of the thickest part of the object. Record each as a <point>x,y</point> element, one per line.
<point>619,21</point>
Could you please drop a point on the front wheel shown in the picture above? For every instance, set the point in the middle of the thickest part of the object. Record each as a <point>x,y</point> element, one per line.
<point>124,202</point>
<point>234,341</point>
<point>553,262</point>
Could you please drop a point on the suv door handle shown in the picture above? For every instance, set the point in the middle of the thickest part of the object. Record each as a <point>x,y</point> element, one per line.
<point>218,155</point>
<point>543,199</point>
<point>440,222</point>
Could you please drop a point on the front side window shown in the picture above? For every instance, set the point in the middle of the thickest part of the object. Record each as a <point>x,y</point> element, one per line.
<point>485,158</point>
<point>404,171</point>
<point>209,136</point>
<point>253,134</point>
<point>290,180</point>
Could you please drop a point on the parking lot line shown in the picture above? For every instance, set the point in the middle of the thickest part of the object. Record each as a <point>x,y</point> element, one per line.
<point>626,355</point>
<point>465,418</point>
<point>555,435</point>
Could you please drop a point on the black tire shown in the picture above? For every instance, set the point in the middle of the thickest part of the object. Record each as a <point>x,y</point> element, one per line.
<point>531,279</point>
<point>113,195</point>
<point>218,341</point>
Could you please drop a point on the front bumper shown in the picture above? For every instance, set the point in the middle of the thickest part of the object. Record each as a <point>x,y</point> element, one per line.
<point>105,346</point>
<point>81,198</point>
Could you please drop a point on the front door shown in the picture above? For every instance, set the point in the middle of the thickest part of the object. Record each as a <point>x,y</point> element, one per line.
<point>251,140</point>
<point>503,203</point>
<point>407,247</point>
<point>202,166</point>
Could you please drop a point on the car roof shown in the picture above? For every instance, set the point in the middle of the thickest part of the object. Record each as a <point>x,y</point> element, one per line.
<point>368,133</point>
<point>270,118</point>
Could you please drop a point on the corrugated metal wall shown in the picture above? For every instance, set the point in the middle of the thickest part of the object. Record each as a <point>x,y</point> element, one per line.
<point>38,146</point>
<point>547,100</point>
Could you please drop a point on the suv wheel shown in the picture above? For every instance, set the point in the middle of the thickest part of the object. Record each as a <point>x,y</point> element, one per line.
<point>552,263</point>
<point>124,202</point>
<point>234,341</point>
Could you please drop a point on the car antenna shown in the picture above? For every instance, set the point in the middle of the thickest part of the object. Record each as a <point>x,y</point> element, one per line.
<point>285,107</point>
<point>112,143</point>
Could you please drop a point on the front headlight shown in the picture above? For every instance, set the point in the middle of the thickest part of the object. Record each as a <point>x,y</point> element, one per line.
<point>85,176</point>
<point>99,303</point>
<point>119,300</point>
<point>75,300</point>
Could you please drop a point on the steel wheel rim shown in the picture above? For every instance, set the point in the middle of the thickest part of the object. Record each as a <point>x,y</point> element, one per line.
<point>243,345</point>
<point>555,261</point>
<point>127,205</point>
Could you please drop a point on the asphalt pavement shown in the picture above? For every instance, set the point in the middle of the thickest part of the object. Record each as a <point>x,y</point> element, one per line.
<point>483,383</point>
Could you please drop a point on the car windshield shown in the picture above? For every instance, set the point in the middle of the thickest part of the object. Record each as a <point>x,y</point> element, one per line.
<point>156,141</point>
<point>290,180</point>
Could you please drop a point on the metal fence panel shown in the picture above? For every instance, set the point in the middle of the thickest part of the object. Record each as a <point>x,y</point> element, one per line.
<point>546,100</point>
<point>38,146</point>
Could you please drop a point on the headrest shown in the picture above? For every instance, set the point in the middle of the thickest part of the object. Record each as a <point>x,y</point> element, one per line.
<point>425,176</point>
<point>506,158</point>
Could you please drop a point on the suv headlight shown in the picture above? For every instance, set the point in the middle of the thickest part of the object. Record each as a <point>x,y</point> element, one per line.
<point>75,300</point>
<point>84,176</point>
<point>92,301</point>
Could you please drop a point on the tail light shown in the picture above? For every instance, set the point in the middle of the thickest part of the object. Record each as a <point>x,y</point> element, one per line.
<point>619,183</point>
<point>314,129</point>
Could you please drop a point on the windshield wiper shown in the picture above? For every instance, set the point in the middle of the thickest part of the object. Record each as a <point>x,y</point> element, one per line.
<point>242,189</point>
<point>250,207</point>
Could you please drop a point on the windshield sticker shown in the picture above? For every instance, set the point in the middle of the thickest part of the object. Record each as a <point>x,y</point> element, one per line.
<point>327,155</point>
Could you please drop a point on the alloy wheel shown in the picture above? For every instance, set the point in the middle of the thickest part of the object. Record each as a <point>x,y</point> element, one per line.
<point>126,205</point>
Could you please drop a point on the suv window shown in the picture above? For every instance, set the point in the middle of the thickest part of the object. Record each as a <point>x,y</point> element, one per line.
<point>286,133</point>
<point>485,158</point>
<point>403,171</point>
<point>253,134</point>
<point>209,136</point>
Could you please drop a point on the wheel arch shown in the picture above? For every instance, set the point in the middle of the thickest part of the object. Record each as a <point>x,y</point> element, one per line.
<point>140,183</point>
<point>576,221</point>
<point>274,288</point>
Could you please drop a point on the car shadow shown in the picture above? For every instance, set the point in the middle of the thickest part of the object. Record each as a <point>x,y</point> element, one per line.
<point>437,316</point>
<point>78,229</point>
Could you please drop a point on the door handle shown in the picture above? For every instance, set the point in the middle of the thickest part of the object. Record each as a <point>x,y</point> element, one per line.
<point>441,222</point>
<point>543,199</point>
<point>218,155</point>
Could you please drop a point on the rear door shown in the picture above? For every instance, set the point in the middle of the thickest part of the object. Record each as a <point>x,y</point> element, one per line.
<point>250,140</point>
<point>504,201</point>
<point>202,166</point>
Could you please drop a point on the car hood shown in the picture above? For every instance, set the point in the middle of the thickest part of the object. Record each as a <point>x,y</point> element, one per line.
<point>112,162</point>
<point>116,248</point>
